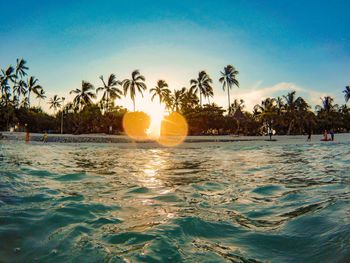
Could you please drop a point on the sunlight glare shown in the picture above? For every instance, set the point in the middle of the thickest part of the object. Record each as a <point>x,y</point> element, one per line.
<point>135,125</point>
<point>173,131</point>
<point>157,113</point>
<point>168,129</point>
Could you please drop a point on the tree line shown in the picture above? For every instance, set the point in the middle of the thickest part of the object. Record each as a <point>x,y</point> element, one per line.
<point>288,114</point>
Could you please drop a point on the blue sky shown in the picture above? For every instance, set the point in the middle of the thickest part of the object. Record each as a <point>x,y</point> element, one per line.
<point>276,45</point>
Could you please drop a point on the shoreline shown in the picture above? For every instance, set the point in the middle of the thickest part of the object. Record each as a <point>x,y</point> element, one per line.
<point>106,138</point>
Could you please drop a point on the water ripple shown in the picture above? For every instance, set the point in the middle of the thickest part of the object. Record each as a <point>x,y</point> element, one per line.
<point>210,203</point>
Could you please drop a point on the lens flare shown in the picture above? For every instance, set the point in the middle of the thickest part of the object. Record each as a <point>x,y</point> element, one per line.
<point>136,124</point>
<point>168,130</point>
<point>173,130</point>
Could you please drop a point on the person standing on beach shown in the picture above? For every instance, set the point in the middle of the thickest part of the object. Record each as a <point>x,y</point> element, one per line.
<point>332,135</point>
<point>325,135</point>
<point>270,133</point>
<point>309,135</point>
<point>27,136</point>
<point>45,137</point>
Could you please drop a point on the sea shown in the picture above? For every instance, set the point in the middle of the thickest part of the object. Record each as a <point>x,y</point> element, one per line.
<point>249,201</point>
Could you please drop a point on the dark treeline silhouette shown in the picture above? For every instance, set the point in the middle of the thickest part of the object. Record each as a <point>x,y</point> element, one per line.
<point>289,114</point>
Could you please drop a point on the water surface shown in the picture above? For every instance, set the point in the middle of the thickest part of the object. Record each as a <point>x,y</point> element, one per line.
<point>209,202</point>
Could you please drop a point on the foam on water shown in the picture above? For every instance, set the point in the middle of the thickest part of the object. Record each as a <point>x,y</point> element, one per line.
<point>211,202</point>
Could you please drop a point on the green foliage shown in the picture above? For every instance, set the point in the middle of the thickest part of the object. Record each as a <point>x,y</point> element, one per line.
<point>113,118</point>
<point>206,119</point>
<point>89,119</point>
<point>33,119</point>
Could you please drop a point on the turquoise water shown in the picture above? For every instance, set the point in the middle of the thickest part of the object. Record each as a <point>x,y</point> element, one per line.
<point>223,202</point>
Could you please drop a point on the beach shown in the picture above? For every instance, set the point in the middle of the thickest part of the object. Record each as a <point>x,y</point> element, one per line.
<point>106,138</point>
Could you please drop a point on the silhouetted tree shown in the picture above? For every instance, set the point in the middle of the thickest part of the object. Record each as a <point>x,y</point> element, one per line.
<point>84,95</point>
<point>137,82</point>
<point>202,85</point>
<point>110,91</point>
<point>228,80</point>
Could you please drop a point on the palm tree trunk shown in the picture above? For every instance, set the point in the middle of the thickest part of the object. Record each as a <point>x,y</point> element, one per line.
<point>290,127</point>
<point>133,101</point>
<point>200,97</point>
<point>7,121</point>
<point>107,108</point>
<point>228,96</point>
<point>238,127</point>
<point>29,99</point>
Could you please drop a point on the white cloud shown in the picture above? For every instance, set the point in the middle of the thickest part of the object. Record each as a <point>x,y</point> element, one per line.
<point>257,93</point>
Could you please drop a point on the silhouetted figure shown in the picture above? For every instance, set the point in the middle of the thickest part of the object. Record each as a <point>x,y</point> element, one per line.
<point>45,137</point>
<point>309,135</point>
<point>332,135</point>
<point>325,135</point>
<point>27,136</point>
<point>270,133</point>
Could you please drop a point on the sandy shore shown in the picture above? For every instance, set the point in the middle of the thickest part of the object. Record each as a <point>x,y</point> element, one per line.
<point>104,138</point>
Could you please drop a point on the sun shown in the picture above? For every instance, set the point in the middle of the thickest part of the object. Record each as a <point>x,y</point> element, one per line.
<point>157,113</point>
<point>155,123</point>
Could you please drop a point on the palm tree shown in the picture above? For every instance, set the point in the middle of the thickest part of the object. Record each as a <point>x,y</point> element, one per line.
<point>291,108</point>
<point>40,95</point>
<point>5,97</point>
<point>344,109</point>
<point>237,105</point>
<point>303,114</point>
<point>20,89</point>
<point>347,93</point>
<point>328,112</point>
<point>228,80</point>
<point>110,90</point>
<point>55,103</point>
<point>84,95</point>
<point>20,68</point>
<point>260,108</point>
<point>69,108</point>
<point>202,85</point>
<point>19,74</point>
<point>168,100</point>
<point>280,105</point>
<point>32,86</point>
<point>189,99</point>
<point>327,105</point>
<point>267,111</point>
<point>5,89</point>
<point>290,100</point>
<point>209,93</point>
<point>25,102</point>
<point>236,109</point>
<point>161,90</point>
<point>177,99</point>
<point>137,81</point>
<point>7,75</point>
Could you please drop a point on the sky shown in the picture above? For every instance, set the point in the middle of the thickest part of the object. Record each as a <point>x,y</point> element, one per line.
<point>277,46</point>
